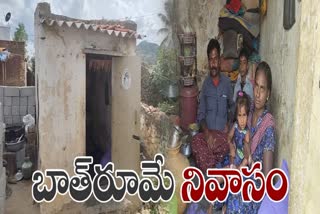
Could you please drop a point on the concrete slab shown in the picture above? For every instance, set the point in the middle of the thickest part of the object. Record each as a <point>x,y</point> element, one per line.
<point>23,101</point>
<point>11,91</point>
<point>1,91</point>
<point>15,110</point>
<point>23,110</point>
<point>31,100</point>
<point>8,120</point>
<point>7,111</point>
<point>27,91</point>
<point>16,119</point>
<point>15,101</point>
<point>7,101</point>
<point>31,110</point>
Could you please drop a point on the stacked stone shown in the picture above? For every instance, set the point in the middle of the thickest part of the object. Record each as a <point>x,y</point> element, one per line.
<point>17,102</point>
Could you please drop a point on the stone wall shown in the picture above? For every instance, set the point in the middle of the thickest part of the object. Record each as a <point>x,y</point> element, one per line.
<point>15,66</point>
<point>155,130</point>
<point>17,102</point>
<point>305,170</point>
<point>279,47</point>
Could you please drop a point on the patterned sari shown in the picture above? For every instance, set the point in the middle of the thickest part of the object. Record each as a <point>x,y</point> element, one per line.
<point>262,137</point>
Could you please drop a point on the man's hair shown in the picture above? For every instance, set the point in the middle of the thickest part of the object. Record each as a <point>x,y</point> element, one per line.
<point>213,44</point>
<point>265,68</point>
<point>244,52</point>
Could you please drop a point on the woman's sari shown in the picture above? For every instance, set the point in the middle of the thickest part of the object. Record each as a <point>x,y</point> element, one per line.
<point>262,139</point>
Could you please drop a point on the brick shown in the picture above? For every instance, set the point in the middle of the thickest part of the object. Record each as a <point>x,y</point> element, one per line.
<point>7,110</point>
<point>27,91</point>
<point>11,91</point>
<point>8,120</point>
<point>15,110</point>
<point>16,120</point>
<point>23,110</point>
<point>31,110</point>
<point>23,101</point>
<point>31,100</point>
<point>7,101</point>
<point>15,101</point>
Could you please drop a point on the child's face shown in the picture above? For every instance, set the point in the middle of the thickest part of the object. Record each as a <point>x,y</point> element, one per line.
<point>242,117</point>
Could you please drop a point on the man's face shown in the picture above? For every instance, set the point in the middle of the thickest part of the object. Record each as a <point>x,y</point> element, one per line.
<point>243,70</point>
<point>214,63</point>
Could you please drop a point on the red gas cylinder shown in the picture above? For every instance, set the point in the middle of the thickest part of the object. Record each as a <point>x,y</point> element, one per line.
<point>188,105</point>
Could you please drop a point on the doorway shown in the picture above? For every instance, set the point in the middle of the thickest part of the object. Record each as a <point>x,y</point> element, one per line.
<point>98,108</point>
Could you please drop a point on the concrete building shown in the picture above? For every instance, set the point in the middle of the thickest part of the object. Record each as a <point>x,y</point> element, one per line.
<point>88,92</point>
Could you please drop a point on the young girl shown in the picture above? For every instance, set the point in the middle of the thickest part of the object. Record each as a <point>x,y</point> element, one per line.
<point>240,155</point>
<point>240,150</point>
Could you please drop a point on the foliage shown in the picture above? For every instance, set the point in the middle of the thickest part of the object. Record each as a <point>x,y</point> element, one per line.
<point>165,71</point>
<point>169,107</point>
<point>168,20</point>
<point>20,35</point>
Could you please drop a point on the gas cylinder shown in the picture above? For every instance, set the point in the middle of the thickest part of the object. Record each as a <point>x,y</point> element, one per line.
<point>188,105</point>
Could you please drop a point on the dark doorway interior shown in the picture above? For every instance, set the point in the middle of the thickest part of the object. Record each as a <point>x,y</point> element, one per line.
<point>98,108</point>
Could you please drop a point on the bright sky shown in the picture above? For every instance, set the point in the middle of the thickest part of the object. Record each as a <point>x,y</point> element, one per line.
<point>143,12</point>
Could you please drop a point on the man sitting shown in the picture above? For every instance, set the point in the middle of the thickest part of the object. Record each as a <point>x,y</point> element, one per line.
<point>210,147</point>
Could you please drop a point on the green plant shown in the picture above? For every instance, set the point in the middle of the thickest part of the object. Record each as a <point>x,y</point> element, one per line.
<point>169,20</point>
<point>165,71</point>
<point>169,107</point>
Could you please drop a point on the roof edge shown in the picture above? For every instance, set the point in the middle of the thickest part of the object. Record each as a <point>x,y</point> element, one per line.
<point>44,12</point>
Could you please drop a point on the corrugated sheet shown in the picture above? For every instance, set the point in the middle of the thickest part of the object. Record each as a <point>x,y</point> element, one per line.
<point>112,30</point>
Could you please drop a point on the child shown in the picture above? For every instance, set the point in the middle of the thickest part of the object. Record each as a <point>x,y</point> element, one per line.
<point>240,150</point>
<point>240,155</point>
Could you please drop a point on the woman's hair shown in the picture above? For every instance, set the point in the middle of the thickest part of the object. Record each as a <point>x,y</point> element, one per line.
<point>242,100</point>
<point>265,68</point>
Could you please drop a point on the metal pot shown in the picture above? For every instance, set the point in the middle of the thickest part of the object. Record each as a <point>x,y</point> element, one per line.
<point>171,91</point>
<point>174,141</point>
<point>193,132</point>
<point>185,149</point>
<point>15,145</point>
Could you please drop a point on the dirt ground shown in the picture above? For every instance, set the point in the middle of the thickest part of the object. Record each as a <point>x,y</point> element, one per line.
<point>20,200</point>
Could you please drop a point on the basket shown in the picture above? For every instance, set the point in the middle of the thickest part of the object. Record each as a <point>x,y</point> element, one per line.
<point>187,38</point>
<point>187,81</point>
<point>186,60</point>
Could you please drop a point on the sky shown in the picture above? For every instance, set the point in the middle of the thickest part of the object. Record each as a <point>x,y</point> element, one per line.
<point>143,12</point>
